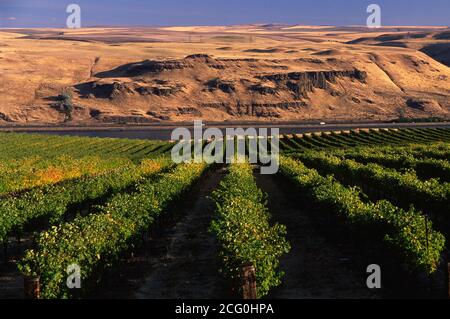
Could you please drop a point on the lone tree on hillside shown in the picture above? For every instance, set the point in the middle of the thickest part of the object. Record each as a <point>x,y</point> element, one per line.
<point>64,105</point>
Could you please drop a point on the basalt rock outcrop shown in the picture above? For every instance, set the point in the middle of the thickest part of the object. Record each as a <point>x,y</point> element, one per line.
<point>200,84</point>
<point>115,90</point>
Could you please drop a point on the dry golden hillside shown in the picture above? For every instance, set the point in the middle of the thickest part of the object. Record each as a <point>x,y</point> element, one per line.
<point>252,72</point>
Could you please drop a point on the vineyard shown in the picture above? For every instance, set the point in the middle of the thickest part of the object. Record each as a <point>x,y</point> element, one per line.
<point>134,222</point>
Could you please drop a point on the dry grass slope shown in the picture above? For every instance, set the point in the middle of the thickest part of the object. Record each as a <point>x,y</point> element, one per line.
<point>250,72</point>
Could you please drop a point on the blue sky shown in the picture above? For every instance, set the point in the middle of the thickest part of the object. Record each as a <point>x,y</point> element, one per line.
<point>51,13</point>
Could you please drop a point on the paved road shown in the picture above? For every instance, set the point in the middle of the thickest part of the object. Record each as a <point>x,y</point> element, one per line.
<point>163,132</point>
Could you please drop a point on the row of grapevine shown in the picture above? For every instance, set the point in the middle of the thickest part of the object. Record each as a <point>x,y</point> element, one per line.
<point>426,168</point>
<point>15,146</point>
<point>53,202</point>
<point>436,151</point>
<point>408,232</point>
<point>21,174</point>
<point>402,136</point>
<point>431,151</point>
<point>243,230</point>
<point>402,188</point>
<point>98,241</point>
<point>360,138</point>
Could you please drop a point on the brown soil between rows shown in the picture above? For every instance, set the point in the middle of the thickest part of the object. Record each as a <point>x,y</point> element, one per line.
<point>180,262</point>
<point>316,267</point>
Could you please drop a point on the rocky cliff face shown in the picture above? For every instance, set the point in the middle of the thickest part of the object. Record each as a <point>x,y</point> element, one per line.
<point>199,83</point>
<point>201,86</point>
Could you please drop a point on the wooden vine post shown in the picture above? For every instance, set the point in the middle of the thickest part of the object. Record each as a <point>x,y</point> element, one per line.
<point>5,251</point>
<point>31,287</point>
<point>248,282</point>
<point>426,232</point>
<point>448,278</point>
